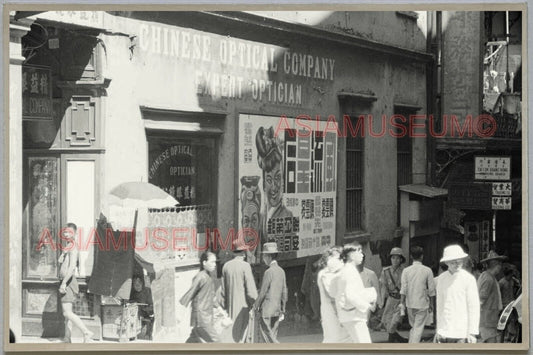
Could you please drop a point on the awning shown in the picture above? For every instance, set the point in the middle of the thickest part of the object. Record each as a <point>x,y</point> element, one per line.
<point>113,263</point>
<point>424,190</point>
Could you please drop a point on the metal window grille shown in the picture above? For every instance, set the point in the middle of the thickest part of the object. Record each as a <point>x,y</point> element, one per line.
<point>403,165</point>
<point>354,182</point>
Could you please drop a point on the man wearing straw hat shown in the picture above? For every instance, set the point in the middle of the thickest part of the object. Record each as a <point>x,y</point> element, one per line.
<point>490,298</point>
<point>457,300</point>
<point>272,295</point>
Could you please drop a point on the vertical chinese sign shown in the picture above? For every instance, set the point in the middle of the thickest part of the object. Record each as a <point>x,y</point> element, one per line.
<point>36,93</point>
<point>287,183</point>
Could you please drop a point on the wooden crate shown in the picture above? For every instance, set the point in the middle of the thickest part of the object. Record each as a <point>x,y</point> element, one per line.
<point>114,325</point>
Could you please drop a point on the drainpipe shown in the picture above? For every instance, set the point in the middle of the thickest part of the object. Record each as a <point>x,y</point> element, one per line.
<point>434,86</point>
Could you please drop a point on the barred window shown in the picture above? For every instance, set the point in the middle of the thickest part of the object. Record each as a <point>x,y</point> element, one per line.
<point>404,158</point>
<point>354,181</point>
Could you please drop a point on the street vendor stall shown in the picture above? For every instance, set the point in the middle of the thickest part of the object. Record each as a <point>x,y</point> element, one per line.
<point>118,260</point>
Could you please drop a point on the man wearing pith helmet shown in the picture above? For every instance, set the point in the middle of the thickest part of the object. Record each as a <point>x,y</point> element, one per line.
<point>390,281</point>
<point>457,300</point>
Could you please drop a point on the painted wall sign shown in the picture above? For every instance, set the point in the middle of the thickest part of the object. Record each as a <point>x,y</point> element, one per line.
<point>82,18</point>
<point>226,67</point>
<point>493,168</point>
<point>287,184</point>
<point>36,93</point>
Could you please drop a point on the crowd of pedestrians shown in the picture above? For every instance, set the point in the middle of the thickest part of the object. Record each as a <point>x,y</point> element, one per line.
<point>238,299</point>
<point>466,307</point>
<point>467,310</point>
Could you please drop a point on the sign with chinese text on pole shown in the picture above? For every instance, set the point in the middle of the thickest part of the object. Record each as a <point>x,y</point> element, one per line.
<point>287,183</point>
<point>501,202</point>
<point>36,93</point>
<point>502,188</point>
<point>501,195</point>
<point>493,168</point>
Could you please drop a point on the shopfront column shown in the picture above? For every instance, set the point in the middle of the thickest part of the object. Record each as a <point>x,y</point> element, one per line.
<point>17,30</point>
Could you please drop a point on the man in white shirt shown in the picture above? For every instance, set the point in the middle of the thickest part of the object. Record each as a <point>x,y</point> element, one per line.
<point>458,305</point>
<point>352,299</point>
<point>370,279</point>
<point>417,289</point>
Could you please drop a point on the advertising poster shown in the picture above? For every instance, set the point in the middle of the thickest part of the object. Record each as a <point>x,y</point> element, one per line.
<point>287,184</point>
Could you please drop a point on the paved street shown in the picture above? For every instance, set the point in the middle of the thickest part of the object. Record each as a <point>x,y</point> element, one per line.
<point>377,337</point>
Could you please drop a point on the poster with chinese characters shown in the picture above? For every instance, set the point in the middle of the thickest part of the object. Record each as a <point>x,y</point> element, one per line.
<point>287,181</point>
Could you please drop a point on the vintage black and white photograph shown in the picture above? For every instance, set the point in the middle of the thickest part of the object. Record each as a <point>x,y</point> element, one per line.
<point>314,177</point>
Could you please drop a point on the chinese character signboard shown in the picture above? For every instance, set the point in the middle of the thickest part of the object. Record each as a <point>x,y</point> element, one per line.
<point>502,188</point>
<point>36,93</point>
<point>287,183</point>
<point>501,202</point>
<point>493,168</point>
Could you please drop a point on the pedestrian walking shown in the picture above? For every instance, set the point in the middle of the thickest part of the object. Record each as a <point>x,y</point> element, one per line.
<point>273,294</point>
<point>201,295</point>
<point>390,281</point>
<point>490,298</point>
<point>417,294</point>
<point>352,299</point>
<point>457,300</point>
<point>68,288</point>
<point>331,265</point>
<point>508,285</point>
<point>238,291</point>
<point>370,279</point>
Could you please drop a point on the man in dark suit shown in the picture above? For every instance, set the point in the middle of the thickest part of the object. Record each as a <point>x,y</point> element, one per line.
<point>272,296</point>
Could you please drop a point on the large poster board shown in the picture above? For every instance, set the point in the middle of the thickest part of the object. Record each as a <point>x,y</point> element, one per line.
<point>287,183</point>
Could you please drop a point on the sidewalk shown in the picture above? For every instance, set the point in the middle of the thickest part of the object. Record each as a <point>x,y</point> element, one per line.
<point>315,337</point>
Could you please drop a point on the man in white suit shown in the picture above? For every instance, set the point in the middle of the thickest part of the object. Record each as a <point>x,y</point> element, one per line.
<point>352,299</point>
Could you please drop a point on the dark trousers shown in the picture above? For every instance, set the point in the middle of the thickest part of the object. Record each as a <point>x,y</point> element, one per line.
<point>203,335</point>
<point>269,329</point>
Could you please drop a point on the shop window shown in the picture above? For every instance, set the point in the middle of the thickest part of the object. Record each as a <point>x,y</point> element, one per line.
<point>354,182</point>
<point>185,168</point>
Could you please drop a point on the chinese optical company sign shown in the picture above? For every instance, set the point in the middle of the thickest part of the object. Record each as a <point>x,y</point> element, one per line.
<point>493,168</point>
<point>231,68</point>
<point>287,184</point>
<point>36,93</point>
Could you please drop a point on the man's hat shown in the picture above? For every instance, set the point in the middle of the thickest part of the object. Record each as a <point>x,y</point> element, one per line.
<point>270,248</point>
<point>453,252</point>
<point>240,245</point>
<point>397,251</point>
<point>493,256</point>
